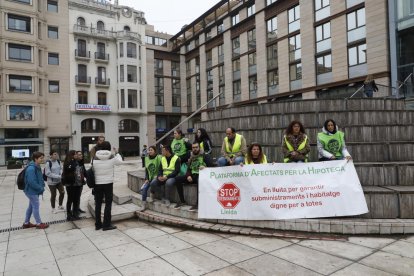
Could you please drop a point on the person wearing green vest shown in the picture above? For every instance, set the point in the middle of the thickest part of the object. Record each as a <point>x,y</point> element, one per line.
<point>152,167</point>
<point>180,146</point>
<point>295,144</point>
<point>255,155</point>
<point>331,143</point>
<point>198,161</point>
<point>233,149</point>
<point>169,169</point>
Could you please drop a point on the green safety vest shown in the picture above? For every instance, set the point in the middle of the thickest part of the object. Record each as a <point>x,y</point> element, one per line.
<point>152,165</point>
<point>196,164</point>
<point>168,169</point>
<point>202,145</point>
<point>251,161</point>
<point>301,147</point>
<point>332,143</point>
<point>236,145</point>
<point>178,147</point>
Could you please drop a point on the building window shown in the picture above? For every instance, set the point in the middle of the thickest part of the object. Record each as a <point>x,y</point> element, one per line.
<point>132,98</point>
<point>357,55</point>
<point>189,96</point>
<point>159,91</point>
<point>236,69</point>
<point>53,58</point>
<point>323,37</point>
<point>52,6</point>
<point>322,9</point>
<point>222,97</point>
<point>128,125</point>
<point>209,58</point>
<point>253,86</point>
<point>220,28</point>
<point>81,51</point>
<point>236,46</point>
<point>351,3</point>
<point>19,52</point>
<point>24,1</point>
<point>82,97</point>
<point>127,28</point>
<point>221,75</point>
<point>251,39</point>
<point>102,76</point>
<point>208,35</point>
<point>100,26</point>
<point>188,68</point>
<point>82,73</point>
<point>54,87</point>
<point>101,98</point>
<point>237,90</point>
<point>121,73</point>
<point>220,53</point>
<point>19,23</point>
<point>176,92</point>
<point>356,25</point>
<point>235,19</point>
<point>20,84</point>
<point>131,73</point>
<point>131,50</point>
<point>175,69</point>
<point>252,59</point>
<point>122,98</point>
<point>295,48</point>
<point>100,48</point>
<point>272,79</point>
<point>268,2</point>
<point>198,92</point>
<point>324,64</point>
<point>121,49</point>
<point>93,125</point>
<point>272,56</point>
<point>197,65</point>
<point>272,29</point>
<point>251,10</point>
<point>80,21</point>
<point>295,71</point>
<point>294,19</point>
<point>52,32</point>
<point>158,67</point>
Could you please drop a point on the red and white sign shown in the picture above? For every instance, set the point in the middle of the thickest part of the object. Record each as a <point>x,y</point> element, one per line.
<point>228,195</point>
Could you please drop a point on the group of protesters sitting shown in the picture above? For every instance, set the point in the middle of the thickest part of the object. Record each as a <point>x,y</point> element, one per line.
<point>181,161</point>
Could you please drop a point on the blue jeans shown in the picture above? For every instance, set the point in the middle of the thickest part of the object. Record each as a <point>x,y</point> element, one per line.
<point>221,162</point>
<point>169,184</point>
<point>144,191</point>
<point>33,208</point>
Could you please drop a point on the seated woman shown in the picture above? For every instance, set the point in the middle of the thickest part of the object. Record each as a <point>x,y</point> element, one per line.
<point>295,144</point>
<point>180,146</point>
<point>152,167</point>
<point>331,143</point>
<point>255,155</point>
<point>203,140</point>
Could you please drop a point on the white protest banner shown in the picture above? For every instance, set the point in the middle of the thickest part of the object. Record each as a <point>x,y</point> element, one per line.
<point>281,191</point>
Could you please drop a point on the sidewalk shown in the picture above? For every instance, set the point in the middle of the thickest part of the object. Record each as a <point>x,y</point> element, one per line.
<point>138,248</point>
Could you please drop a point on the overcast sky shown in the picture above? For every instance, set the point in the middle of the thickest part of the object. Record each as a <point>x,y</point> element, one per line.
<point>170,15</point>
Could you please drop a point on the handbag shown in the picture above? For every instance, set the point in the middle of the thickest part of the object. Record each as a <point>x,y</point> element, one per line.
<point>90,177</point>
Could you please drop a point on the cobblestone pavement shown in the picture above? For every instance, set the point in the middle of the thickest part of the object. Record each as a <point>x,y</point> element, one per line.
<point>138,248</point>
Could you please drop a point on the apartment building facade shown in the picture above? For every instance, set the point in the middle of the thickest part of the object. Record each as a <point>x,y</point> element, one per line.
<point>34,78</point>
<point>107,68</point>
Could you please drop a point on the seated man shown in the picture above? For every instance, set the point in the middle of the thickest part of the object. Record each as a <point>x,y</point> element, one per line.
<point>197,161</point>
<point>233,149</point>
<point>170,167</point>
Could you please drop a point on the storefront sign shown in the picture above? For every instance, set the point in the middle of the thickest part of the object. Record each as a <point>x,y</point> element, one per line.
<point>92,107</point>
<point>281,191</point>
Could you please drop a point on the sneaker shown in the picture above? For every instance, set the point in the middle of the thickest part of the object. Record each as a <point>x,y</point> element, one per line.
<point>193,209</point>
<point>42,226</point>
<point>60,207</point>
<point>110,227</point>
<point>28,225</point>
<point>143,206</point>
<point>54,211</point>
<point>178,205</point>
<point>167,202</point>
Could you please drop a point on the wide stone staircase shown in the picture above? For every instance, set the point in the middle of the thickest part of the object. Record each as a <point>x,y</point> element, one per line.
<point>380,137</point>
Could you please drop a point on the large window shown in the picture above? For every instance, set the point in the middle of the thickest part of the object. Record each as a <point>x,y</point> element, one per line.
<point>236,46</point>
<point>52,32</point>
<point>52,6</point>
<point>251,39</point>
<point>100,26</point>
<point>324,64</point>
<point>175,69</point>
<point>295,71</point>
<point>101,98</point>
<point>121,73</point>
<point>82,97</point>
<point>198,92</point>
<point>322,9</point>
<point>271,28</point>
<point>236,69</point>
<point>268,2</point>
<point>20,84</point>
<point>121,49</point>
<point>159,91</point>
<point>237,90</point>
<point>356,25</point>
<point>53,58</point>
<point>235,19</point>
<point>131,73</point>
<point>131,50</point>
<point>93,125</point>
<point>294,19</point>
<point>272,81</point>
<point>132,98</point>
<point>81,51</point>
<point>189,97</point>
<point>220,53</point>
<point>19,23</point>
<point>102,76</point>
<point>158,67</point>
<point>356,55</point>
<point>295,48</point>
<point>128,125</point>
<point>53,86</point>
<point>253,87</point>
<point>272,56</point>
<point>176,92</point>
<point>251,10</point>
<point>100,48</point>
<point>19,52</point>
<point>80,21</point>
<point>323,37</point>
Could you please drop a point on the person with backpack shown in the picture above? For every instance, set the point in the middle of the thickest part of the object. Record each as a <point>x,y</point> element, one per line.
<point>53,173</point>
<point>73,181</point>
<point>34,186</point>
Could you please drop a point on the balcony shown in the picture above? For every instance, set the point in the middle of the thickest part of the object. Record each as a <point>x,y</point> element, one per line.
<point>83,80</point>
<point>128,35</point>
<point>82,55</point>
<point>101,57</point>
<point>89,31</point>
<point>102,82</point>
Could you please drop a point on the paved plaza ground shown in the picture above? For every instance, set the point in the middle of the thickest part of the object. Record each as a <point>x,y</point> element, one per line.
<point>141,248</point>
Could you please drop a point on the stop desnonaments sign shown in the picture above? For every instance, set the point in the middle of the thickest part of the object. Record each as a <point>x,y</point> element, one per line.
<point>228,195</point>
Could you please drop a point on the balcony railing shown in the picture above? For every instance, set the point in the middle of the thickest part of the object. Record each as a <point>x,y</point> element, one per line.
<point>102,82</point>
<point>82,80</point>
<point>101,56</point>
<point>82,54</point>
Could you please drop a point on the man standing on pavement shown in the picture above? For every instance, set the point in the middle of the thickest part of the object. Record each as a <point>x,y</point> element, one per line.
<point>197,161</point>
<point>93,151</point>
<point>53,171</point>
<point>233,149</point>
<point>81,163</point>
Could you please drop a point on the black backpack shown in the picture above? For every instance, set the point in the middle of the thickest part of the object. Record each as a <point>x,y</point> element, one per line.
<point>44,170</point>
<point>20,179</point>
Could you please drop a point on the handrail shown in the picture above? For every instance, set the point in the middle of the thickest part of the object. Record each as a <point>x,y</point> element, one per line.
<point>362,86</point>
<point>186,119</point>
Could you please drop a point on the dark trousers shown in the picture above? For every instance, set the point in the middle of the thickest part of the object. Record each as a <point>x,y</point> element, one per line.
<point>143,161</point>
<point>180,181</point>
<point>101,191</point>
<point>80,194</point>
<point>73,200</point>
<point>53,189</point>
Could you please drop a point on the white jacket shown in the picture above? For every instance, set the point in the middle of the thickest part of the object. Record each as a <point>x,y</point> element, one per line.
<point>104,166</point>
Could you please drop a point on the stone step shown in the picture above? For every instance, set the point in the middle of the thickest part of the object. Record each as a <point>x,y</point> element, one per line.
<point>119,212</point>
